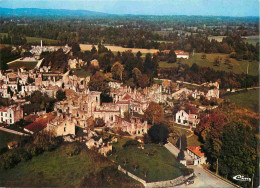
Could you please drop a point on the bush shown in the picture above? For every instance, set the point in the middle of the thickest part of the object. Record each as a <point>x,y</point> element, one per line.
<point>23,155</point>
<point>72,149</point>
<point>131,143</point>
<point>187,171</point>
<point>9,159</point>
<point>34,150</point>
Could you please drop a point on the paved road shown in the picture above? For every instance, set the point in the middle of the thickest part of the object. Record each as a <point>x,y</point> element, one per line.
<point>205,180</point>
<point>13,131</point>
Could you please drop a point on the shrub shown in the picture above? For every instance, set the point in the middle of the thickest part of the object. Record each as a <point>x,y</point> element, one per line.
<point>131,143</point>
<point>72,149</point>
<point>9,160</point>
<point>187,171</point>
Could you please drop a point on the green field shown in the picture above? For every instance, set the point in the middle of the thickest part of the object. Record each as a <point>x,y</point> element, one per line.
<point>82,73</point>
<point>28,64</point>
<point>193,141</point>
<point>238,66</point>
<point>248,99</point>
<point>252,39</point>
<point>57,169</point>
<point>6,137</point>
<point>37,40</point>
<point>161,166</point>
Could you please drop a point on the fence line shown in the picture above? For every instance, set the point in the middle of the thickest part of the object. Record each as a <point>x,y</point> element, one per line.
<point>166,183</point>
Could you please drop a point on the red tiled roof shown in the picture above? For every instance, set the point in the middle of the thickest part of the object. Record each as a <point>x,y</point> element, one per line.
<point>196,150</point>
<point>126,97</point>
<point>40,123</point>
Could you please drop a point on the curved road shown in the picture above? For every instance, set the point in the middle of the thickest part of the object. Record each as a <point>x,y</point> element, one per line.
<point>205,179</point>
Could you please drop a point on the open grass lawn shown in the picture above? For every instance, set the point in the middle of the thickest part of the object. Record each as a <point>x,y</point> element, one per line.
<point>47,42</point>
<point>238,66</point>
<point>81,73</point>
<point>193,141</point>
<point>161,166</point>
<point>6,137</point>
<point>35,40</point>
<point>248,99</point>
<point>182,131</point>
<point>57,169</point>
<point>252,39</point>
<point>28,64</point>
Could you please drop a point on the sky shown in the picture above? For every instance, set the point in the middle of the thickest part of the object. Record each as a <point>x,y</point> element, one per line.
<point>147,7</point>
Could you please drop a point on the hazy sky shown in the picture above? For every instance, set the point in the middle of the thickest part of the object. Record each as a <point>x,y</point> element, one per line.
<point>151,7</point>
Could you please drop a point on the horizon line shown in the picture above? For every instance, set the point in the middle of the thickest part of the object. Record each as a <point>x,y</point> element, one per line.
<point>128,14</point>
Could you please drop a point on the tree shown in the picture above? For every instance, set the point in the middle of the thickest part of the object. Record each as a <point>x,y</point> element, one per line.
<point>181,155</point>
<point>75,48</point>
<point>136,73</point>
<point>154,113</point>
<point>117,70</point>
<point>172,57</point>
<point>158,133</point>
<point>72,149</point>
<point>145,172</point>
<point>217,61</point>
<point>135,166</point>
<point>60,95</point>
<point>238,154</point>
<point>143,81</point>
<point>93,49</point>
<point>98,83</point>
<point>182,142</point>
<point>194,67</point>
<point>138,54</point>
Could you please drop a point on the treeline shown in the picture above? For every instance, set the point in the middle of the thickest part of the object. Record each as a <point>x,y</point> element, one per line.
<point>230,138</point>
<point>131,34</point>
<point>196,74</point>
<point>7,54</point>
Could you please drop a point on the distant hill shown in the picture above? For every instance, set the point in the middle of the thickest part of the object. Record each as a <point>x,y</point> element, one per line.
<point>36,12</point>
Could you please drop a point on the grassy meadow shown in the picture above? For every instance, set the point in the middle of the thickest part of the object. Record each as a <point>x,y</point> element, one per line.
<point>238,66</point>
<point>157,167</point>
<point>36,40</point>
<point>28,64</point>
<point>247,99</point>
<point>57,169</point>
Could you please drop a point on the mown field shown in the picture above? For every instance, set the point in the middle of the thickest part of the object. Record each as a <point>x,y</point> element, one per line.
<point>248,99</point>
<point>160,166</point>
<point>217,38</point>
<point>57,169</point>
<point>28,64</point>
<point>85,47</point>
<point>238,66</point>
<point>252,39</point>
<point>36,40</point>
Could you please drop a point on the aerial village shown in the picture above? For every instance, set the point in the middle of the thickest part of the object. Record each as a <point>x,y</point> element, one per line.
<point>80,116</point>
<point>82,109</point>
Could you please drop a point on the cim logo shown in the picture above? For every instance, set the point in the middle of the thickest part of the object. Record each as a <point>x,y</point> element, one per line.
<point>241,178</point>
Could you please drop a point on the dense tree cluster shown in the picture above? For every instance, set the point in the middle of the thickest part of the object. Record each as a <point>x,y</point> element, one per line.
<point>39,102</point>
<point>201,75</point>
<point>230,143</point>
